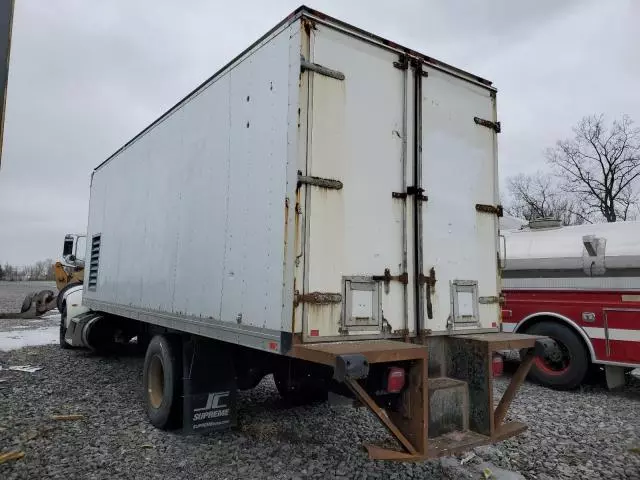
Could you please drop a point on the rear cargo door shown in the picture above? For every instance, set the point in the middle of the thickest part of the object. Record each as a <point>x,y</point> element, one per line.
<point>458,223</point>
<point>353,282</point>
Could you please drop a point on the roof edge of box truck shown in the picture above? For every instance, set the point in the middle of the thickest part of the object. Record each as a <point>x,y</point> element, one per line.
<point>301,11</point>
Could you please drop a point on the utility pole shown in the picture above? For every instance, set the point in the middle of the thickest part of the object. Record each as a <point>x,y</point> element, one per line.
<point>6,23</point>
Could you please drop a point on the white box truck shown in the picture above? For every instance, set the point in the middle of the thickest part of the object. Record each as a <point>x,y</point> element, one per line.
<point>324,209</point>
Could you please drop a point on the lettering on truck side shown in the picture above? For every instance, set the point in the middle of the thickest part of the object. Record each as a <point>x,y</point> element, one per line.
<point>214,408</point>
<point>211,414</point>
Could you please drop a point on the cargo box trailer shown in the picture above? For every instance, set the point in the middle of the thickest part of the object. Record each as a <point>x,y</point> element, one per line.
<point>324,208</point>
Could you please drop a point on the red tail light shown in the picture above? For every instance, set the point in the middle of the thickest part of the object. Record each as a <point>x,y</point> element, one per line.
<point>497,365</point>
<point>395,379</point>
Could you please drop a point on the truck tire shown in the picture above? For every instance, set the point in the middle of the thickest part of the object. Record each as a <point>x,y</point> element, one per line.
<point>61,293</point>
<point>566,368</point>
<point>63,327</point>
<point>162,382</point>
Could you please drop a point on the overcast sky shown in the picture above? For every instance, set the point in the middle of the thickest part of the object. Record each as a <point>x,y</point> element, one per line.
<point>87,75</point>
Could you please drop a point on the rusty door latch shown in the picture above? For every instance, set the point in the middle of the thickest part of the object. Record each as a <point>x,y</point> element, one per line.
<point>387,278</point>
<point>430,283</point>
<point>417,191</point>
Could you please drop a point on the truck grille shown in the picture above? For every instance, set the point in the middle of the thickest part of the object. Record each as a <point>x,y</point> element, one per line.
<point>93,264</point>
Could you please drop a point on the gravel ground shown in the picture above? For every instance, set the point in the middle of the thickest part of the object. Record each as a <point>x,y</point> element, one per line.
<point>589,433</point>
<point>114,439</point>
<point>583,434</point>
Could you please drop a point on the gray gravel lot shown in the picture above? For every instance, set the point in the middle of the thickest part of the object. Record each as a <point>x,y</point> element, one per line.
<point>584,434</point>
<point>114,440</point>
<point>587,434</point>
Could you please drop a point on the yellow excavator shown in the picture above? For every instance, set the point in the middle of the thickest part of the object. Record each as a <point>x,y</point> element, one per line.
<point>69,272</point>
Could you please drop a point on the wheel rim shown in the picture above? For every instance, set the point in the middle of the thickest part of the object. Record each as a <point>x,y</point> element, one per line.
<point>156,382</point>
<point>555,361</point>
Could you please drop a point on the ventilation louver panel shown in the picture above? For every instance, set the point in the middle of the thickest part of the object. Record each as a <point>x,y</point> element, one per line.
<point>93,264</point>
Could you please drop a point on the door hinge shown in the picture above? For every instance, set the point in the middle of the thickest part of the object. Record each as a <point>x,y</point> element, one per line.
<point>417,64</point>
<point>495,209</point>
<point>319,182</point>
<point>403,62</point>
<point>417,191</point>
<point>317,298</point>
<point>488,123</point>
<point>488,300</point>
<point>314,67</point>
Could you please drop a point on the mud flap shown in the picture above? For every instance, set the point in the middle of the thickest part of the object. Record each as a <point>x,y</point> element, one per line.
<point>209,387</point>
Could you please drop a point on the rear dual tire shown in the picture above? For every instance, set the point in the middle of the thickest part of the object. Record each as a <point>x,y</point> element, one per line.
<point>162,382</point>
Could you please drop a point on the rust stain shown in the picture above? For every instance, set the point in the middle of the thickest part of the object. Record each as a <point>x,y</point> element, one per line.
<point>286,224</point>
<point>293,310</point>
<point>308,25</point>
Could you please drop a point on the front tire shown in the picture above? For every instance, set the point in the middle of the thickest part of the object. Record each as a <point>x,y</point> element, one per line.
<point>564,368</point>
<point>162,381</point>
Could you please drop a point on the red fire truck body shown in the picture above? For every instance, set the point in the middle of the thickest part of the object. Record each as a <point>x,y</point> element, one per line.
<point>579,285</point>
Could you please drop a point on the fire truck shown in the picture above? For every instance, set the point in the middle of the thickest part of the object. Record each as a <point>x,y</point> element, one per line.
<point>580,286</point>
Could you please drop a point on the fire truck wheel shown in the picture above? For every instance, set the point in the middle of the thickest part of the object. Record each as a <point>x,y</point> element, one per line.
<point>565,366</point>
<point>162,382</point>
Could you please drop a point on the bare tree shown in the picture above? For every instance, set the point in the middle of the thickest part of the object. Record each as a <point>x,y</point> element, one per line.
<point>540,196</point>
<point>600,166</point>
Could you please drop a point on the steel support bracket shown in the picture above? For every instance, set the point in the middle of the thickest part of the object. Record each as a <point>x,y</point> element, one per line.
<point>488,123</point>
<point>495,209</point>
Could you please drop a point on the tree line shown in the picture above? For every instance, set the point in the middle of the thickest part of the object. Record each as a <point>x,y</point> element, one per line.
<point>591,177</point>
<point>41,270</point>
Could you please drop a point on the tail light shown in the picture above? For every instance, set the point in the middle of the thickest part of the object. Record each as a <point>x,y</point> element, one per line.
<point>497,365</point>
<point>395,379</point>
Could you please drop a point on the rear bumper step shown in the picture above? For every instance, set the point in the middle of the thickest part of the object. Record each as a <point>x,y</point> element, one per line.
<point>458,409</point>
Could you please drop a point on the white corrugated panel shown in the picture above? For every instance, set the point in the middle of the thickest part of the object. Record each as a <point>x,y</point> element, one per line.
<point>192,212</point>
